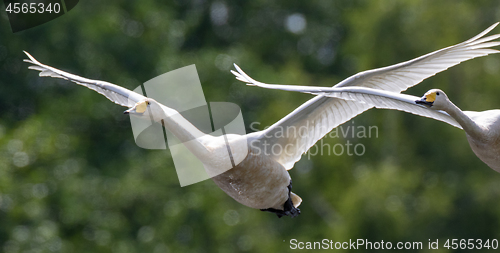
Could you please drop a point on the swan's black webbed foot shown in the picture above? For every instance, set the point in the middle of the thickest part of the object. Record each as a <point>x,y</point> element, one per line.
<point>289,209</point>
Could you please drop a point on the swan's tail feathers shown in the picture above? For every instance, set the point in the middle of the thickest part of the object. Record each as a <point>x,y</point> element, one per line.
<point>296,200</point>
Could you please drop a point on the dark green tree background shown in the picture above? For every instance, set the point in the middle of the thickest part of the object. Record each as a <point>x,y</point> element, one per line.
<point>73,180</point>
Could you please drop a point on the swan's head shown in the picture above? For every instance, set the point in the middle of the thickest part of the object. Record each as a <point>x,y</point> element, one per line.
<point>145,108</point>
<point>435,99</point>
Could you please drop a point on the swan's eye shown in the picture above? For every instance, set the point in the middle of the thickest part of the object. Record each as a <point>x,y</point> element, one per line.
<point>437,93</point>
<point>150,103</point>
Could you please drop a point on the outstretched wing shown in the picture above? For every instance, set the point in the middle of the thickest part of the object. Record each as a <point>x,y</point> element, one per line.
<point>321,114</point>
<point>115,93</point>
<point>378,98</point>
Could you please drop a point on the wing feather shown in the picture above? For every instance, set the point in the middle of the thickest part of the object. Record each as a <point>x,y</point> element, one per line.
<point>115,93</point>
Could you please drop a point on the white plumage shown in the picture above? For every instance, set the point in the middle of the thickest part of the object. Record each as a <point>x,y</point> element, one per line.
<point>481,128</point>
<point>260,179</point>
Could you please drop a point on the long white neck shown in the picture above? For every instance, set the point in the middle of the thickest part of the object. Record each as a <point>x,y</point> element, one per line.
<point>470,127</point>
<point>187,133</point>
<point>217,153</point>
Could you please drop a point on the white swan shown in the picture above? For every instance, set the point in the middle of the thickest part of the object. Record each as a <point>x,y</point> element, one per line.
<point>261,179</point>
<point>482,129</point>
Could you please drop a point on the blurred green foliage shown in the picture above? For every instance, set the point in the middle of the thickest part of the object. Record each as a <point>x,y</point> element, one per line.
<point>73,180</point>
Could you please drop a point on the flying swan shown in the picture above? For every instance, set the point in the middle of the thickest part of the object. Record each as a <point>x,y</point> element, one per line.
<point>260,178</point>
<point>482,129</point>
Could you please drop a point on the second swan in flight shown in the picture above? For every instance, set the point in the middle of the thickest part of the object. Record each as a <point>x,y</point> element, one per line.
<point>482,129</point>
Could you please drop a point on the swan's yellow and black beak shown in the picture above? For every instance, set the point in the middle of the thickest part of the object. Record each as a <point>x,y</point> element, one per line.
<point>427,100</point>
<point>138,108</point>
